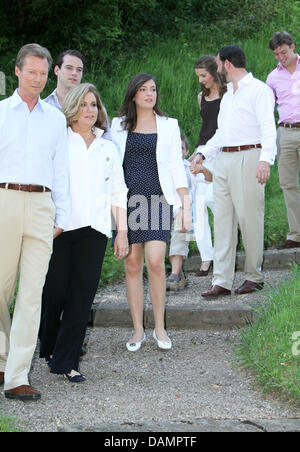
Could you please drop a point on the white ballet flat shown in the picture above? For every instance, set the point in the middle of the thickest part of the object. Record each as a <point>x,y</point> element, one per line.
<point>135,346</point>
<point>164,345</point>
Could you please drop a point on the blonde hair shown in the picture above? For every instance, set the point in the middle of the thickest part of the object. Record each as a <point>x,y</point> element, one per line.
<point>73,101</point>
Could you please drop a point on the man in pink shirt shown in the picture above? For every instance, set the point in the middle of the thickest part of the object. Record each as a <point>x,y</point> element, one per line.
<point>285,83</point>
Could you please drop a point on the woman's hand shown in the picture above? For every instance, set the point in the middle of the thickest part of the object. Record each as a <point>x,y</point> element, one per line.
<point>184,219</point>
<point>184,222</point>
<point>121,247</point>
<point>57,231</point>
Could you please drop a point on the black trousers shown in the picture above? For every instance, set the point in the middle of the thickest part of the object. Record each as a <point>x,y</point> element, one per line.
<point>69,291</point>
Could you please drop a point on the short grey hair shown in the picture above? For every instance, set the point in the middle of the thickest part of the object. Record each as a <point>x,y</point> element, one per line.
<point>33,50</point>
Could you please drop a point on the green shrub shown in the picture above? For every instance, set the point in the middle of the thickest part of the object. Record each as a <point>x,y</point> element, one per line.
<point>267,348</point>
<point>103,29</point>
<point>242,18</point>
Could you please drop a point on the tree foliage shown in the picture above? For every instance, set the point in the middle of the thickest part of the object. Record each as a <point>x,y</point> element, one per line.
<point>102,28</point>
<point>244,17</point>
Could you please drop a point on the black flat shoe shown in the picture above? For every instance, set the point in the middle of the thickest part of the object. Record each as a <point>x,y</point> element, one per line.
<point>76,379</point>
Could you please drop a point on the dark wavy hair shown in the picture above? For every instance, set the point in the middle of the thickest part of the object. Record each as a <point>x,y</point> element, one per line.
<point>280,38</point>
<point>128,108</point>
<point>208,63</point>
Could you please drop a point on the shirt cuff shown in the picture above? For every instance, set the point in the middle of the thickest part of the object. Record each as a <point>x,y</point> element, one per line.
<point>62,221</point>
<point>266,157</point>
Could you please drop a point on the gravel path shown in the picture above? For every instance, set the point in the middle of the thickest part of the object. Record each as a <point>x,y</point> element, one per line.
<point>195,380</point>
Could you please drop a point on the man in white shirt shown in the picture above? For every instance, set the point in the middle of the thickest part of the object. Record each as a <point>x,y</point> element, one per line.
<point>244,146</point>
<point>35,207</point>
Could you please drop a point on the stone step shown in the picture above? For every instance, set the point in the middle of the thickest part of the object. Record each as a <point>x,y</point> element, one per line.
<point>198,426</point>
<point>273,260</point>
<point>186,309</point>
<point>178,317</point>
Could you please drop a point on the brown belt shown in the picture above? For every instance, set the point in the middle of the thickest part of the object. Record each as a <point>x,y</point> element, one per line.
<point>22,187</point>
<point>244,147</point>
<point>290,125</point>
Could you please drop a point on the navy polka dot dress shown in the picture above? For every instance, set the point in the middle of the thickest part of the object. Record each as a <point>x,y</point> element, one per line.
<point>149,214</point>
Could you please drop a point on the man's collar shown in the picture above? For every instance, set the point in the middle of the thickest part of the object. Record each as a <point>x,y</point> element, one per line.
<point>16,100</point>
<point>54,94</point>
<point>246,80</point>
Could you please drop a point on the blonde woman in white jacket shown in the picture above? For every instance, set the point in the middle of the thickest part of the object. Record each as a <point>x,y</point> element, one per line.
<point>97,189</point>
<point>150,149</point>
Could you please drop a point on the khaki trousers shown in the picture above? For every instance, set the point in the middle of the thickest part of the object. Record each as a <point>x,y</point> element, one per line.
<point>179,243</point>
<point>238,199</point>
<point>288,141</point>
<point>26,237</point>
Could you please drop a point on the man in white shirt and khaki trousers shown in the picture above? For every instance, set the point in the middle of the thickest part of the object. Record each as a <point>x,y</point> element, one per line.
<point>34,205</point>
<point>244,146</point>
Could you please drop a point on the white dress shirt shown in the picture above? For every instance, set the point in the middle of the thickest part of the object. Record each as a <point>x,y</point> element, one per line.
<point>33,150</point>
<point>96,182</point>
<point>246,117</point>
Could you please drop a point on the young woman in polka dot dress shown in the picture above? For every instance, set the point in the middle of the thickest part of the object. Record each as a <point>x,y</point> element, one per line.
<point>150,149</point>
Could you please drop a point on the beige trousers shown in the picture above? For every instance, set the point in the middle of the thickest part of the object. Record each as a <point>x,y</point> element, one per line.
<point>288,141</point>
<point>238,199</point>
<point>26,237</point>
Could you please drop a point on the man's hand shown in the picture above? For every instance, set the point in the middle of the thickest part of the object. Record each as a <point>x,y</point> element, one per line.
<point>57,231</point>
<point>194,166</point>
<point>263,172</point>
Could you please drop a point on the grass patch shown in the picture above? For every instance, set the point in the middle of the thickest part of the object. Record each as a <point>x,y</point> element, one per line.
<point>112,270</point>
<point>269,348</point>
<point>8,425</point>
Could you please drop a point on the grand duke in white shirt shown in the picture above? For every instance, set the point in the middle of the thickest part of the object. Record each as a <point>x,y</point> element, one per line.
<point>34,202</point>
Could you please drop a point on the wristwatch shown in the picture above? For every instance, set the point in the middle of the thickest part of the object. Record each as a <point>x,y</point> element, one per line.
<point>200,153</point>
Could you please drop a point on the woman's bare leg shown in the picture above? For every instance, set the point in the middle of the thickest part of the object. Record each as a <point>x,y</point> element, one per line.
<point>134,287</point>
<point>155,252</point>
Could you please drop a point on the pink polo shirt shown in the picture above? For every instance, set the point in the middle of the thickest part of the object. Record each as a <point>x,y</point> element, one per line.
<point>286,89</point>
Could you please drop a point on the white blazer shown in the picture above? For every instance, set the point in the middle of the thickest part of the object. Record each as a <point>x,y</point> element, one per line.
<point>170,165</point>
